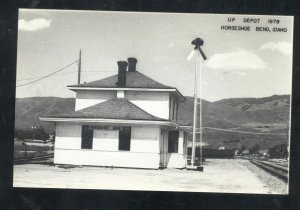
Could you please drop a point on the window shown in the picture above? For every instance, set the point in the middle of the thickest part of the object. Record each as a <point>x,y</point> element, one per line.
<point>176,112</point>
<point>170,107</point>
<point>173,142</point>
<point>173,109</point>
<point>86,137</point>
<point>124,138</point>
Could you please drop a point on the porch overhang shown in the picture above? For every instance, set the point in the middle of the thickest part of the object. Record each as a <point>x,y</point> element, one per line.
<point>110,121</point>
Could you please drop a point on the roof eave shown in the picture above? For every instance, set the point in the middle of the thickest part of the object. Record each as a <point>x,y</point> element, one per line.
<point>177,93</point>
<point>111,121</point>
<point>180,96</point>
<point>122,88</point>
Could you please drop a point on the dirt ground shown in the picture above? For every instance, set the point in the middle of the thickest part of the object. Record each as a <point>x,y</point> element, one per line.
<point>219,175</point>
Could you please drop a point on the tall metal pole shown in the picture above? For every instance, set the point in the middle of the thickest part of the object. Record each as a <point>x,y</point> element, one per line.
<point>195,114</point>
<point>79,67</point>
<point>198,42</point>
<point>200,104</point>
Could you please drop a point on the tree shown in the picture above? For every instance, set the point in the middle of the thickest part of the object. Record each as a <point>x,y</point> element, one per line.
<point>41,133</point>
<point>254,149</point>
<point>23,134</point>
<point>241,149</point>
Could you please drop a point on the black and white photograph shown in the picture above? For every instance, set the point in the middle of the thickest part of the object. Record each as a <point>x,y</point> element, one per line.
<point>153,101</point>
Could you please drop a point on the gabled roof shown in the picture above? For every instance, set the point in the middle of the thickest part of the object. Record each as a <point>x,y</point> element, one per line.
<point>116,108</point>
<point>133,80</point>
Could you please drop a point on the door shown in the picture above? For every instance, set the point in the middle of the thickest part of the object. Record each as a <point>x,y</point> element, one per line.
<point>173,142</point>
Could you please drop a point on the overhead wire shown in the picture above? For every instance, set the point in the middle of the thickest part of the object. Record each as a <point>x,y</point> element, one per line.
<point>48,75</point>
<point>70,72</point>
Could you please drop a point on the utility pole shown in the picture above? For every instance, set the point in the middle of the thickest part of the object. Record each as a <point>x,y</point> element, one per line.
<point>79,66</point>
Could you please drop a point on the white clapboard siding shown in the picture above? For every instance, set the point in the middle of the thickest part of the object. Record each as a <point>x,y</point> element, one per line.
<point>145,132</point>
<point>106,140</point>
<point>103,158</point>
<point>68,142</point>
<point>68,136</point>
<point>68,129</point>
<point>89,98</point>
<point>145,139</point>
<point>144,147</point>
<point>155,103</point>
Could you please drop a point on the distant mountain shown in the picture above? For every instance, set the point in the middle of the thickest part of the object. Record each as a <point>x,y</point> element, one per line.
<point>268,114</point>
<point>28,110</point>
<point>258,115</point>
<point>229,113</point>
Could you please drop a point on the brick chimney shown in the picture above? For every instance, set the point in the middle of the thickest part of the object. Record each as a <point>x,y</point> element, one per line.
<point>122,73</point>
<point>132,64</point>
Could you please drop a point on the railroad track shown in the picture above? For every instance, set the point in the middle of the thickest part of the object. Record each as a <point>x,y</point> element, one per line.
<point>274,169</point>
<point>35,159</point>
<point>283,164</point>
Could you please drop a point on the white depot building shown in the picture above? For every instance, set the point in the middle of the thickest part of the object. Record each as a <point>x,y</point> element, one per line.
<point>126,120</point>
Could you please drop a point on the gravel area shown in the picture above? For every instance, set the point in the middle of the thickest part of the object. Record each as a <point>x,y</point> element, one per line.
<point>274,184</point>
<point>220,175</point>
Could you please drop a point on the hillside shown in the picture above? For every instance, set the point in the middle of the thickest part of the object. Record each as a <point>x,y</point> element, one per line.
<point>228,113</point>
<point>28,110</point>
<point>268,114</point>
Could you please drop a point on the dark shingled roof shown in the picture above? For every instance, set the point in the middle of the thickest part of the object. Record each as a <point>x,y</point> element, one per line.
<point>133,80</point>
<point>116,108</point>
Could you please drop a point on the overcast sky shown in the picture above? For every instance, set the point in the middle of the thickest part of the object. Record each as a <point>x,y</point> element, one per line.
<point>240,64</point>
